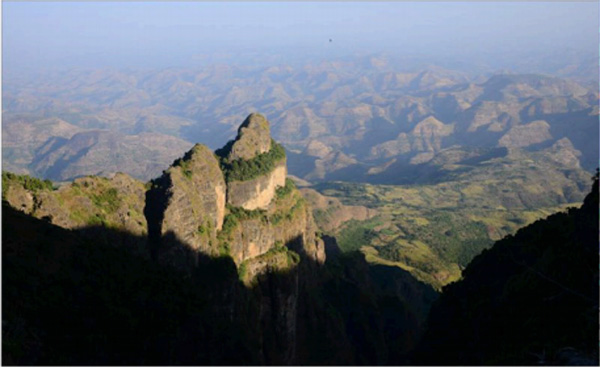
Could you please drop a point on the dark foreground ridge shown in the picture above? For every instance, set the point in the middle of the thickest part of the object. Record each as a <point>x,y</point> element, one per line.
<point>531,299</point>
<point>72,299</point>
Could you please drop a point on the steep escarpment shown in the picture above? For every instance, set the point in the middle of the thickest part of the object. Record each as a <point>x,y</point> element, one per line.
<point>288,221</point>
<point>254,165</point>
<point>257,193</point>
<point>236,202</point>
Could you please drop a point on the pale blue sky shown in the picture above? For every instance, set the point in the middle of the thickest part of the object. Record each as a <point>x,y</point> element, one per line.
<point>161,34</point>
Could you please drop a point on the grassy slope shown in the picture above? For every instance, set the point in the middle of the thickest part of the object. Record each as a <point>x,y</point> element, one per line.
<point>434,231</point>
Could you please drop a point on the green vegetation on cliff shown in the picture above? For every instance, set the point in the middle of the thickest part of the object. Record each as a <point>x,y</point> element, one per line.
<point>236,214</point>
<point>279,259</point>
<point>27,182</point>
<point>104,197</point>
<point>282,192</point>
<point>115,203</point>
<point>107,199</point>
<point>242,170</point>
<point>184,163</point>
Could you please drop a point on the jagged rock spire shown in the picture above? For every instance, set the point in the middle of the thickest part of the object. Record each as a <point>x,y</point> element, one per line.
<point>253,138</point>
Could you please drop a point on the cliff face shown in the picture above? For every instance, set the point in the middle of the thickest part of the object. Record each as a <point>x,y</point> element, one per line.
<point>287,222</point>
<point>139,313</point>
<point>186,205</point>
<point>259,192</point>
<point>244,241</point>
<point>239,204</point>
<point>252,286</point>
<point>264,213</point>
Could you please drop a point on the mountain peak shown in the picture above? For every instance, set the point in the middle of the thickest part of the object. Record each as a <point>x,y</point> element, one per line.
<point>253,138</point>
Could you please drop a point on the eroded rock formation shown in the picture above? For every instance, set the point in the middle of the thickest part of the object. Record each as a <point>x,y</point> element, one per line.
<point>258,192</point>
<point>186,205</point>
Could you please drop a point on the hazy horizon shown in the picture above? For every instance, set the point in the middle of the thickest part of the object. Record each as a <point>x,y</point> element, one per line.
<point>154,34</point>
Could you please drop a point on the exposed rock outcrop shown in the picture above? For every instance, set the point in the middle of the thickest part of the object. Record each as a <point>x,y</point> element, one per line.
<point>186,205</point>
<point>427,134</point>
<point>258,192</point>
<point>287,222</point>
<point>266,220</point>
<point>253,138</point>
<point>183,211</point>
<point>564,153</point>
<point>238,205</point>
<point>88,203</point>
<point>266,227</point>
<point>331,213</point>
<point>526,135</point>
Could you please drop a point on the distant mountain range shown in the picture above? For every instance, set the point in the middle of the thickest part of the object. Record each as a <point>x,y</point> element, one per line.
<point>359,120</point>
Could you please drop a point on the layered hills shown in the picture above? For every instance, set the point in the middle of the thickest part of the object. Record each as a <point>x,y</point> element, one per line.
<point>339,120</point>
<point>60,151</point>
<point>147,249</point>
<point>519,144</point>
<point>435,227</point>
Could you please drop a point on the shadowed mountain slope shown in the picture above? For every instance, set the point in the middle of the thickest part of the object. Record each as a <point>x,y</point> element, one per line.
<point>530,299</point>
<point>70,299</point>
